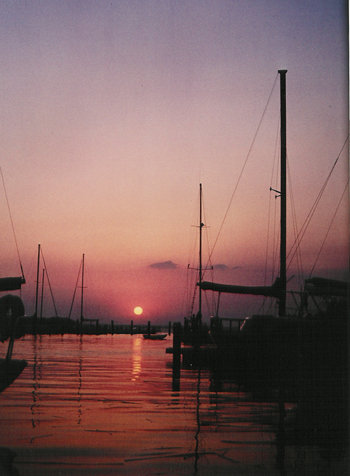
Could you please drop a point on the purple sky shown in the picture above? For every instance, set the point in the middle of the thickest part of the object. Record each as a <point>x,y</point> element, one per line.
<point>113,112</point>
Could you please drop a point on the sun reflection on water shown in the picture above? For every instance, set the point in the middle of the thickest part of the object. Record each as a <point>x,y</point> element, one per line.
<point>136,358</point>
<point>85,402</point>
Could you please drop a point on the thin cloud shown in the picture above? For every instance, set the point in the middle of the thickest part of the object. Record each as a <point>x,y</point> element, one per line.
<point>164,265</point>
<point>223,267</point>
<point>220,267</point>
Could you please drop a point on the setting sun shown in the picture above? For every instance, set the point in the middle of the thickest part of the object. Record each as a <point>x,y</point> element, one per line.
<point>138,310</point>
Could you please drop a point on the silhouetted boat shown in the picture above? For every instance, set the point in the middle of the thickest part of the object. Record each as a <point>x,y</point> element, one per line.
<point>195,333</point>
<point>274,349</point>
<point>11,313</point>
<point>10,370</point>
<point>279,289</point>
<point>82,318</point>
<point>155,336</point>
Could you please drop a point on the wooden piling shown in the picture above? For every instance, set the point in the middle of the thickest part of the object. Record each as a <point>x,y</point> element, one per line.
<point>176,350</point>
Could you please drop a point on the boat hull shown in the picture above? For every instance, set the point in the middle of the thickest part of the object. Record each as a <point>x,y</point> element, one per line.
<point>9,371</point>
<point>154,336</point>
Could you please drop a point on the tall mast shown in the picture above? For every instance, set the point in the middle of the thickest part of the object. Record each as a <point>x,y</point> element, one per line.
<point>283,247</point>
<point>37,283</point>
<point>200,254</point>
<point>82,293</point>
<point>42,297</point>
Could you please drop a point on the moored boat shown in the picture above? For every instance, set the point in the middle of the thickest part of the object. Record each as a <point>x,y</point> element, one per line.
<point>11,312</point>
<point>154,336</point>
<point>277,349</point>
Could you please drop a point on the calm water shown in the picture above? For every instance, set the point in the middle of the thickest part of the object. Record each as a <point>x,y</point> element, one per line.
<point>103,405</point>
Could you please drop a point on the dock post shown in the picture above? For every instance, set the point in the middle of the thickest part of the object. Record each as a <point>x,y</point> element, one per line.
<point>149,328</point>
<point>176,356</point>
<point>131,327</point>
<point>177,350</point>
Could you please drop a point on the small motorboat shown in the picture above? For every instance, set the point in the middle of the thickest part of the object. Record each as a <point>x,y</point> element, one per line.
<point>155,336</point>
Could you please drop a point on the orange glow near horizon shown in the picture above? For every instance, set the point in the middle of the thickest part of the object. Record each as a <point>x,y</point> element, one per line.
<point>128,120</point>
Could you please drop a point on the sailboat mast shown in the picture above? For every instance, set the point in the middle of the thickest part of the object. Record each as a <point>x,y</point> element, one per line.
<point>42,297</point>
<point>82,293</point>
<point>37,283</point>
<point>283,244</point>
<point>200,254</point>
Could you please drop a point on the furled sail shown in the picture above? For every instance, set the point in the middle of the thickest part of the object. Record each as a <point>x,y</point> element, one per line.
<point>11,284</point>
<point>324,287</point>
<point>269,291</point>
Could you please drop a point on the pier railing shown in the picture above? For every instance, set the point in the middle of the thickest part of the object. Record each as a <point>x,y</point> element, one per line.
<point>63,325</point>
<point>226,324</point>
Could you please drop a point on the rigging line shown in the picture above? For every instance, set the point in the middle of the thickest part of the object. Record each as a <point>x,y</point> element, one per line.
<point>209,266</point>
<point>208,305</point>
<point>191,288</point>
<point>184,300</point>
<point>261,308</point>
<point>295,223</point>
<point>244,165</point>
<point>193,233</point>
<point>329,228</point>
<point>13,228</point>
<point>193,300</point>
<point>267,242</point>
<point>269,212</point>
<point>275,269</point>
<point>313,208</point>
<point>75,289</point>
<point>189,292</point>
<point>276,232</point>
<point>48,280</point>
<point>307,221</point>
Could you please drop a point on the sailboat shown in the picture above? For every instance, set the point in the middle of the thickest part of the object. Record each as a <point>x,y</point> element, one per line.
<point>279,288</point>
<point>199,347</point>
<point>195,332</point>
<point>270,348</point>
<point>11,312</point>
<point>82,269</point>
<point>82,318</point>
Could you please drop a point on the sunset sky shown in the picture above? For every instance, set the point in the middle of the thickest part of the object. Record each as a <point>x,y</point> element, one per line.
<point>113,112</point>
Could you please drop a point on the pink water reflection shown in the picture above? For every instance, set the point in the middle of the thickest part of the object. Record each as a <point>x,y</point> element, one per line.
<point>105,405</point>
